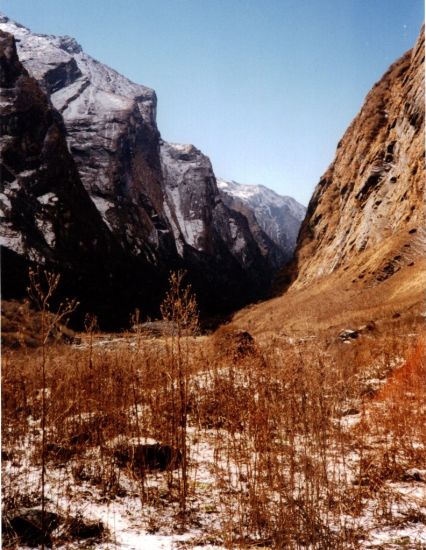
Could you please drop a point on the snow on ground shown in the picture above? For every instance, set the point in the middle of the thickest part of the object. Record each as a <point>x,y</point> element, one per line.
<point>145,514</point>
<point>131,524</point>
<point>154,524</point>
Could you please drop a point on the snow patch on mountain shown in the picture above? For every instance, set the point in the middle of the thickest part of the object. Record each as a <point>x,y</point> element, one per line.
<point>106,89</point>
<point>45,227</point>
<point>11,239</point>
<point>279,216</point>
<point>257,195</point>
<point>47,198</point>
<point>103,205</point>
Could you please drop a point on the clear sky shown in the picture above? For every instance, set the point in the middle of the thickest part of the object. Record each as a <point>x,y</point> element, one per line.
<point>265,88</point>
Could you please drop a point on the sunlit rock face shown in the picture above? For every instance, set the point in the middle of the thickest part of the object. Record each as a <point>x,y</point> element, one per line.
<point>215,239</point>
<point>111,134</point>
<point>47,214</point>
<point>158,202</point>
<point>369,206</point>
<point>190,185</point>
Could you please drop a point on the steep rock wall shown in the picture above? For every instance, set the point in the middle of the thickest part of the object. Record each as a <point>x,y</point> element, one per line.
<point>47,217</point>
<point>370,203</point>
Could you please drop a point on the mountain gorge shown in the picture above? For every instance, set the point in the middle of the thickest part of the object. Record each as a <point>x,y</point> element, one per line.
<point>297,421</point>
<point>157,205</point>
<point>90,189</point>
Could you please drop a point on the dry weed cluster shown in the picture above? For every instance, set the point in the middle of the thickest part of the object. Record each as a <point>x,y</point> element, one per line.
<point>289,470</point>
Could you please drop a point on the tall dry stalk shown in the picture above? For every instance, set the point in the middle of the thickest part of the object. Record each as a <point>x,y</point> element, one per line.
<point>42,287</point>
<point>179,309</point>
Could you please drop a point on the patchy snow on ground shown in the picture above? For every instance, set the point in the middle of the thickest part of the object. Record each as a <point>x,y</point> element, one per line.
<point>142,515</point>
<point>143,511</point>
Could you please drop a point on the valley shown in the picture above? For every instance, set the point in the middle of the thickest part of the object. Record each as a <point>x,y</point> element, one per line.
<point>193,363</point>
<point>291,440</point>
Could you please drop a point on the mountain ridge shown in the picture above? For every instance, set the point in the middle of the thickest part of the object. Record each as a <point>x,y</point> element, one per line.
<point>159,201</point>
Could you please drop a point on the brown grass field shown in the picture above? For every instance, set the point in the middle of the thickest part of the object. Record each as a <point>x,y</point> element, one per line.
<point>286,437</point>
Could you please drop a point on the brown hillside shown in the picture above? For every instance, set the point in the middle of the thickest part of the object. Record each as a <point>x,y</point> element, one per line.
<point>361,252</point>
<point>373,193</point>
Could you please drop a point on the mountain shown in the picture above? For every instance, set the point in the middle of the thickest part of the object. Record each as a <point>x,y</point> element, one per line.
<point>47,217</point>
<point>279,217</point>
<point>367,213</point>
<point>158,202</point>
<point>361,251</point>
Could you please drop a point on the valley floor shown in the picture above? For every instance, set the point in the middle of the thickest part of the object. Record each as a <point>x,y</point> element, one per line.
<point>296,442</point>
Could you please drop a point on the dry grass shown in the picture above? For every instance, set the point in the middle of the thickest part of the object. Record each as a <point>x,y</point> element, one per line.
<point>396,418</point>
<point>341,301</point>
<point>288,469</point>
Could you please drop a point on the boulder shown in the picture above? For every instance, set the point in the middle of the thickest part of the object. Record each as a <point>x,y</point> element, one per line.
<point>415,474</point>
<point>27,525</point>
<point>348,334</point>
<point>79,528</point>
<point>148,457</point>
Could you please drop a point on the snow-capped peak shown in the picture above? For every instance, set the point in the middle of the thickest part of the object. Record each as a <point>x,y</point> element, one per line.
<point>255,195</point>
<point>279,216</point>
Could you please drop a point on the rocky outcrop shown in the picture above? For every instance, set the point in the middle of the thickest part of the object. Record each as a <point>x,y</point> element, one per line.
<point>190,186</point>
<point>158,202</point>
<point>368,211</point>
<point>148,457</point>
<point>214,239</point>
<point>112,136</point>
<point>47,217</point>
<point>271,217</point>
<point>33,527</point>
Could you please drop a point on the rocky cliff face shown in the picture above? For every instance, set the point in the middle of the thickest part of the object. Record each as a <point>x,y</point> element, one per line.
<point>368,209</point>
<point>112,136</point>
<point>158,202</point>
<point>214,239</point>
<point>47,217</point>
<point>272,217</point>
<point>190,184</point>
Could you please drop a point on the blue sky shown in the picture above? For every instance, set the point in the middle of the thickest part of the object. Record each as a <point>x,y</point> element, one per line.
<point>265,88</point>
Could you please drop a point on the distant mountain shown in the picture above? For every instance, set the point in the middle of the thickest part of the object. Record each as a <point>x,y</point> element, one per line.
<point>158,203</point>
<point>279,217</point>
